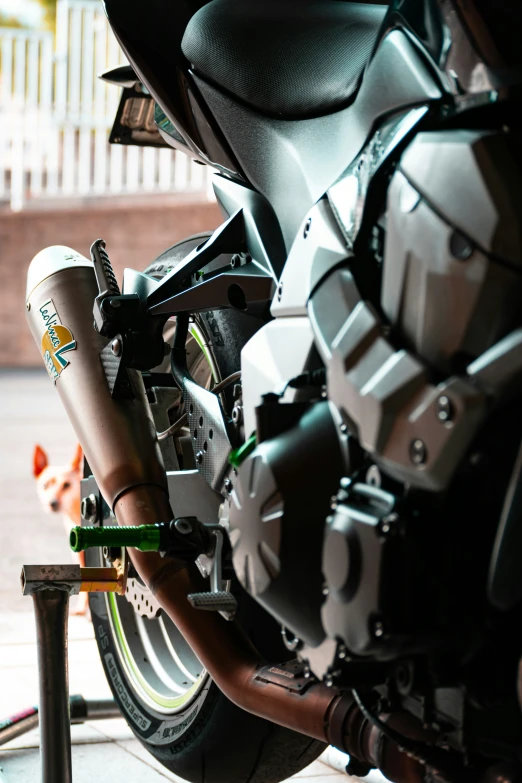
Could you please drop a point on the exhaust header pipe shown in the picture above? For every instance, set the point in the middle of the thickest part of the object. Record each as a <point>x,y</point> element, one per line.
<point>119,441</point>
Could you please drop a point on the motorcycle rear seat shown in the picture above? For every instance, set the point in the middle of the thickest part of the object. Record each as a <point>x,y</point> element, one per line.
<point>289,58</point>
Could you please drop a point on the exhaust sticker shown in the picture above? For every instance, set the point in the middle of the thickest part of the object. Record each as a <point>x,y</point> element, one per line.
<point>56,340</point>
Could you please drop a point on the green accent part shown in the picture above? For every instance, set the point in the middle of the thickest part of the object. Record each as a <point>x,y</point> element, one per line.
<point>238,455</point>
<point>145,537</point>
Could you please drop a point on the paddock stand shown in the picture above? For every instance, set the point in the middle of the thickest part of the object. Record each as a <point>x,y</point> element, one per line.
<point>50,587</point>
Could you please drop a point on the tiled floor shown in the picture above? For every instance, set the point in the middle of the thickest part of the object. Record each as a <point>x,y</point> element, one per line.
<point>105,751</point>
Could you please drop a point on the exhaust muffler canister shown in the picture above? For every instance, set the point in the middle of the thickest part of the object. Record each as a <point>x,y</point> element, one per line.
<point>118,436</point>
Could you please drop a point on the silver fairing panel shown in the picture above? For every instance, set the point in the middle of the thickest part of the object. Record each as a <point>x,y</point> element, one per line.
<point>293,163</point>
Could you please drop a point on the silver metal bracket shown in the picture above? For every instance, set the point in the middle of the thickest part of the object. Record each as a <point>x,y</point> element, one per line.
<point>217,599</point>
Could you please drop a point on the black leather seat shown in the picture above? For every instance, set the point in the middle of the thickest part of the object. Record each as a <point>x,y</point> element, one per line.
<point>292,58</point>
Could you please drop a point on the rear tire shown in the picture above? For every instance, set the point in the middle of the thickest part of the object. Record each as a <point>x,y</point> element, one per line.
<point>208,740</point>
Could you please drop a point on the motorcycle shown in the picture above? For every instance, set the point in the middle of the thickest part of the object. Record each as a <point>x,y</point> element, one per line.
<point>314,410</point>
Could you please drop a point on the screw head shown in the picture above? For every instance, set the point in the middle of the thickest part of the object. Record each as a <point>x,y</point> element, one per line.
<point>307,227</point>
<point>378,629</point>
<point>279,292</point>
<point>342,652</point>
<point>460,246</point>
<point>344,429</point>
<point>89,508</point>
<point>228,485</point>
<point>183,526</point>
<point>388,522</point>
<point>445,409</point>
<point>199,457</point>
<point>418,452</point>
<point>28,306</point>
<point>236,414</point>
<point>116,346</point>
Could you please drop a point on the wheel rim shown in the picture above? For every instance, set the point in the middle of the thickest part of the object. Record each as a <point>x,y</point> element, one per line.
<point>164,671</point>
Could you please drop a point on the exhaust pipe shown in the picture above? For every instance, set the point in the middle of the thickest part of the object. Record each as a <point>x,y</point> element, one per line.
<point>119,440</point>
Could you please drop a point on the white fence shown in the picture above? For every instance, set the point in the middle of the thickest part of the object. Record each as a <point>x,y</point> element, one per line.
<point>55,117</point>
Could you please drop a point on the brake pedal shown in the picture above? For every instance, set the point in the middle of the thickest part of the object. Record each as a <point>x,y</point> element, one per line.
<point>220,601</point>
<point>217,599</point>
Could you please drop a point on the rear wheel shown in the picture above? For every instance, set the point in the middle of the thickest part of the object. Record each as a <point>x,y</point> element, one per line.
<point>169,701</point>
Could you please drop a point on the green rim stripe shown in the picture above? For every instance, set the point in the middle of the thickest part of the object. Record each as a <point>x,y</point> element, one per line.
<point>158,700</point>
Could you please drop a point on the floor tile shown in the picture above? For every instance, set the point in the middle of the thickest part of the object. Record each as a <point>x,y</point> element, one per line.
<point>115,729</point>
<point>81,734</point>
<point>101,763</point>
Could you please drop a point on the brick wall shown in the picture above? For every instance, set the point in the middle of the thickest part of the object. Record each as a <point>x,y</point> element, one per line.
<point>135,234</point>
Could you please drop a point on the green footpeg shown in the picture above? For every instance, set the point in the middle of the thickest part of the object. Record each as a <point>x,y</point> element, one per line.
<point>185,538</point>
<point>146,538</point>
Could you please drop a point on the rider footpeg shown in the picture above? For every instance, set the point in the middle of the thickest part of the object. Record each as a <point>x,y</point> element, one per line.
<point>220,601</point>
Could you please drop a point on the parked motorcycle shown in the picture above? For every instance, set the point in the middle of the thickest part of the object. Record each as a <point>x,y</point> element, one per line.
<point>317,404</point>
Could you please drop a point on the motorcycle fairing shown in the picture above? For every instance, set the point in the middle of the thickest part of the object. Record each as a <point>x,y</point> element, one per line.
<point>305,157</point>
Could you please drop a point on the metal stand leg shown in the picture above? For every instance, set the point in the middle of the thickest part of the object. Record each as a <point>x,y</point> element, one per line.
<point>51,612</point>
<point>50,587</point>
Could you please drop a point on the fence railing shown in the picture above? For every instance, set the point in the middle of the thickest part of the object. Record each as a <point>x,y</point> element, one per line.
<point>55,117</point>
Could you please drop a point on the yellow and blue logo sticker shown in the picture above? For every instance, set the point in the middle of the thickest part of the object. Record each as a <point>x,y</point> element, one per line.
<point>57,340</point>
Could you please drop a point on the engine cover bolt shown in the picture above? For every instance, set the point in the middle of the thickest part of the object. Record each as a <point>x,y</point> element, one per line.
<point>444,409</point>
<point>89,509</point>
<point>237,414</point>
<point>343,428</point>
<point>328,681</point>
<point>418,452</point>
<point>460,246</point>
<point>341,652</point>
<point>378,629</point>
<point>388,522</point>
<point>116,346</point>
<point>183,526</point>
